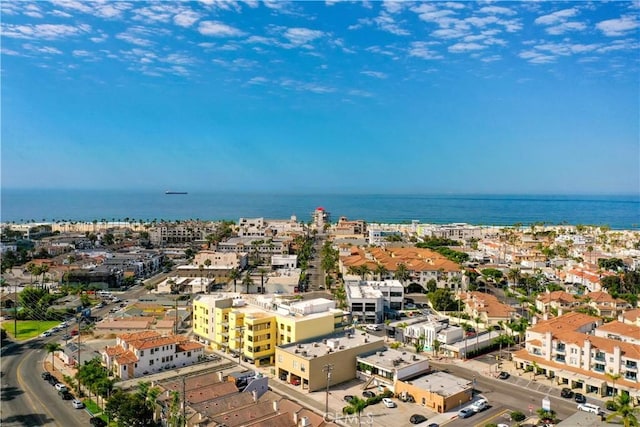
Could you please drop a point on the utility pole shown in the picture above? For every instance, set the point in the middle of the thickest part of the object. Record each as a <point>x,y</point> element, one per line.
<point>184,402</point>
<point>79,363</point>
<point>327,368</point>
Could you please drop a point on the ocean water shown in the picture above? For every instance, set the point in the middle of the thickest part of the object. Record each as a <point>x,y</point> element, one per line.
<point>619,212</point>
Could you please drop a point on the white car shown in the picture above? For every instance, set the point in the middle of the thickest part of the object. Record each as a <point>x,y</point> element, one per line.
<point>373,328</point>
<point>389,403</point>
<point>77,403</point>
<point>590,407</point>
<point>61,387</point>
<point>45,334</point>
<point>480,405</point>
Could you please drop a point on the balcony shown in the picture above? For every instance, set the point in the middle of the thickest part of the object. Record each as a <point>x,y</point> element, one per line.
<point>599,357</point>
<point>630,376</point>
<point>598,368</point>
<point>561,349</point>
<point>560,358</point>
<point>631,366</point>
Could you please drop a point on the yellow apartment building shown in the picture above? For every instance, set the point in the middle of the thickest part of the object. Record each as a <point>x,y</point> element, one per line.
<point>255,325</point>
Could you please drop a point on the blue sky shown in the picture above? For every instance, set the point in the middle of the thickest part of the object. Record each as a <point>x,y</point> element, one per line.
<point>336,96</point>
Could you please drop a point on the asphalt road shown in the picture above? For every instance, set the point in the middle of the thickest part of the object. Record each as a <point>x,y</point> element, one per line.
<point>26,399</point>
<point>505,397</point>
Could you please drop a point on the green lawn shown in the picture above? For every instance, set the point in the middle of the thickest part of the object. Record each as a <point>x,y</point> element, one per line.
<point>28,328</point>
<point>92,406</point>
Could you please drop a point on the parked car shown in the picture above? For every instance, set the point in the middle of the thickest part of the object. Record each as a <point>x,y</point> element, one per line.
<point>52,380</point>
<point>590,407</point>
<point>97,422</point>
<point>45,334</point>
<point>295,381</point>
<point>465,413</point>
<point>77,403</point>
<point>61,387</point>
<point>65,395</point>
<point>373,328</point>
<point>480,405</point>
<point>74,332</point>
<point>580,398</point>
<point>503,375</point>
<point>389,403</point>
<point>348,398</point>
<point>417,419</point>
<point>283,377</point>
<point>368,394</point>
<point>566,393</point>
<point>433,425</point>
<point>46,376</point>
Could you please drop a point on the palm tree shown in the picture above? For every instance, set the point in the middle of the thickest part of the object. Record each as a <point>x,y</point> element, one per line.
<point>401,273</point>
<point>262,272</point>
<point>234,275</point>
<point>613,378</point>
<point>52,347</point>
<point>357,405</point>
<point>514,275</point>
<point>247,280</point>
<point>629,415</point>
<point>381,270</point>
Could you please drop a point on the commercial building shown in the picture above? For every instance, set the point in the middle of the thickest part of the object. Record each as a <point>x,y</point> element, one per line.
<point>439,391</point>
<point>429,330</point>
<point>254,325</point>
<point>306,363</point>
<point>384,368</point>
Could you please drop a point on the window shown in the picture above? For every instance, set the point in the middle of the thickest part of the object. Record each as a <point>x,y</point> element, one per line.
<point>141,352</point>
<point>288,328</point>
<point>295,364</point>
<point>288,339</point>
<point>151,362</point>
<point>302,367</point>
<point>188,354</point>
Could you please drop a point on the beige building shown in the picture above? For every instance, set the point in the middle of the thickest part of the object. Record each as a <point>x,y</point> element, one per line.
<point>439,391</point>
<point>305,363</point>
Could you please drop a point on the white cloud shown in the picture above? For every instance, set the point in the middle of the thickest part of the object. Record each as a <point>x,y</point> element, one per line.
<point>497,10</point>
<point>491,58</point>
<point>33,11</point>
<point>375,74</point>
<point>258,81</point>
<point>359,92</point>
<point>60,14</point>
<point>393,6</point>
<point>535,57</point>
<point>306,87</point>
<point>421,50</point>
<point>627,44</point>
<point>186,18</point>
<point>301,36</point>
<point>566,26</point>
<point>465,47</point>
<point>158,12</point>
<point>450,33</point>
<point>43,31</point>
<point>42,49</point>
<point>178,59</point>
<point>218,29</point>
<point>73,5</point>
<point>556,17</point>
<point>100,38</point>
<point>387,23</point>
<point>618,27</point>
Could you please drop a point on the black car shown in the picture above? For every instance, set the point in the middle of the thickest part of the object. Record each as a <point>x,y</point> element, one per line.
<point>417,419</point>
<point>579,398</point>
<point>368,394</point>
<point>46,376</point>
<point>52,380</point>
<point>566,393</point>
<point>503,375</point>
<point>65,395</point>
<point>97,422</point>
<point>348,398</point>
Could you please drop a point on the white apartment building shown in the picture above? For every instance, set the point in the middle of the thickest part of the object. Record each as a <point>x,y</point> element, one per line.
<point>566,349</point>
<point>431,330</point>
<point>284,261</point>
<point>142,353</point>
<point>369,300</point>
<point>378,236</point>
<point>220,260</point>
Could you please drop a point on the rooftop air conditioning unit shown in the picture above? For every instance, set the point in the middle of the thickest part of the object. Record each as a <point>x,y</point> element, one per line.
<point>324,341</point>
<point>296,351</point>
<point>341,347</point>
<point>299,345</point>
<point>380,353</point>
<point>315,344</point>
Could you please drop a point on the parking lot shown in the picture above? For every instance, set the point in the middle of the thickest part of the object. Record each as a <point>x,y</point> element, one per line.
<point>374,415</point>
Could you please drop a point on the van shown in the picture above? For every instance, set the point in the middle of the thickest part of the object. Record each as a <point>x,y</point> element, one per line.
<point>589,407</point>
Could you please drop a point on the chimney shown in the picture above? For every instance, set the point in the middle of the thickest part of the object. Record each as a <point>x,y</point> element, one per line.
<point>295,418</point>
<point>255,395</point>
<point>275,406</point>
<point>220,376</point>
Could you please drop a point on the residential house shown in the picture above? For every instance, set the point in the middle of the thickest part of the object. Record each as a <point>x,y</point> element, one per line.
<point>557,301</point>
<point>141,353</point>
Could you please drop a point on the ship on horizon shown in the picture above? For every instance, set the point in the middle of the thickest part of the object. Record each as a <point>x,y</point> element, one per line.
<point>175,192</point>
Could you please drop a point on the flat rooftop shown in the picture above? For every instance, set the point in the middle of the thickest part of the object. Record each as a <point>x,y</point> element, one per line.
<point>391,359</point>
<point>357,290</point>
<point>441,383</point>
<point>333,343</point>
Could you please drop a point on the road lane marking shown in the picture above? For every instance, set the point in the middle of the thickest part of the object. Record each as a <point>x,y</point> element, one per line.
<point>486,420</point>
<point>30,393</point>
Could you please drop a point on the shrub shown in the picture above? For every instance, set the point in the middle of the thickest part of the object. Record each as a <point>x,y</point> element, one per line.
<point>347,410</point>
<point>517,416</point>
<point>491,425</point>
